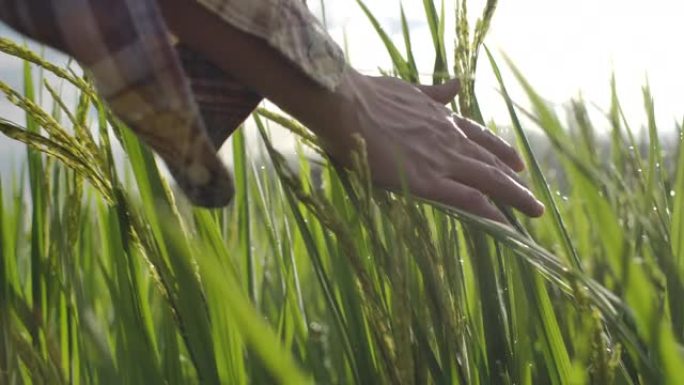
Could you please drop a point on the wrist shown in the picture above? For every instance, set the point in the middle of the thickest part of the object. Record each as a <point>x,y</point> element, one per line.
<point>333,115</point>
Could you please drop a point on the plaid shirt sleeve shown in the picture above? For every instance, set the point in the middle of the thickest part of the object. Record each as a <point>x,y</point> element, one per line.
<point>175,100</point>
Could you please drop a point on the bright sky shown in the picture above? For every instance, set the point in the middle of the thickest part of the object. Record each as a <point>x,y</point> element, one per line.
<point>564,47</point>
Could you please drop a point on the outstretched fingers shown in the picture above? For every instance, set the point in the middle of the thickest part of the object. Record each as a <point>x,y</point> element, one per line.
<point>476,151</point>
<point>466,198</point>
<point>490,141</point>
<point>495,183</point>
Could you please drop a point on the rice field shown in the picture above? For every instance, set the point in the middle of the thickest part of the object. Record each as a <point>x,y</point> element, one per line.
<point>107,276</point>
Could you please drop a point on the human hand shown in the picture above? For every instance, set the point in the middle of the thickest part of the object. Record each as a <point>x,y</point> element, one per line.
<point>443,157</point>
<point>407,130</point>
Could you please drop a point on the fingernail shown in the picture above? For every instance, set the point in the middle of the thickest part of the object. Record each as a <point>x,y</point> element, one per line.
<point>519,165</point>
<point>539,209</point>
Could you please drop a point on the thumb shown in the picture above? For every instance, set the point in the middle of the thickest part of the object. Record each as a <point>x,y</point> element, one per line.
<point>442,93</point>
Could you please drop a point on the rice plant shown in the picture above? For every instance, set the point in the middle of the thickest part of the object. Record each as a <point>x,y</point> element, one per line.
<point>108,277</point>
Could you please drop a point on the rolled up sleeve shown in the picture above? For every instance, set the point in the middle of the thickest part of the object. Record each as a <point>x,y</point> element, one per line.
<point>172,97</point>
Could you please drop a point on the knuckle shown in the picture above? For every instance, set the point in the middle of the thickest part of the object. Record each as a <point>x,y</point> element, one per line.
<point>470,125</point>
<point>421,180</point>
<point>487,156</point>
<point>437,162</point>
<point>506,169</point>
<point>467,147</point>
<point>497,174</point>
<point>474,197</point>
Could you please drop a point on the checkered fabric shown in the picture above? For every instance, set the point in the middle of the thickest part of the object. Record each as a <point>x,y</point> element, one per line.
<point>173,98</point>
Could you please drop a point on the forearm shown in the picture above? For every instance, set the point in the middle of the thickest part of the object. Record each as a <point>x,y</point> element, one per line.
<point>253,62</point>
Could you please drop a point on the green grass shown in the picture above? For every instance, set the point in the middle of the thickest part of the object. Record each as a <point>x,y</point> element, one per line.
<point>108,277</point>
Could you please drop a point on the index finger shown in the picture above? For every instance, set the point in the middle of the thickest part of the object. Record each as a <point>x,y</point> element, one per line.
<point>493,143</point>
